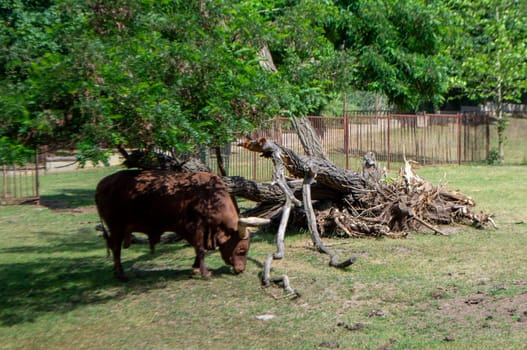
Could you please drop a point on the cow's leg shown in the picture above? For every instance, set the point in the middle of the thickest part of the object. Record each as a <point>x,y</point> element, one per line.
<point>195,266</point>
<point>127,240</point>
<point>153,239</point>
<point>200,261</point>
<point>115,241</point>
<point>106,237</point>
<point>117,267</point>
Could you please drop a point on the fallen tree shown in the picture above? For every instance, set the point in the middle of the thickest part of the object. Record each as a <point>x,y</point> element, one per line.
<point>368,203</point>
<point>355,205</point>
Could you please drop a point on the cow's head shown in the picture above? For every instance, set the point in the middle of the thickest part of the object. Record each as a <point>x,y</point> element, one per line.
<point>235,249</point>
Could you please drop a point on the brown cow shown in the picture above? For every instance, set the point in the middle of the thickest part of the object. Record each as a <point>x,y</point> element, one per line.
<point>195,205</point>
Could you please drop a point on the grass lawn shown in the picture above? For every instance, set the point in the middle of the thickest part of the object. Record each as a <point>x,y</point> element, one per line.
<point>464,291</point>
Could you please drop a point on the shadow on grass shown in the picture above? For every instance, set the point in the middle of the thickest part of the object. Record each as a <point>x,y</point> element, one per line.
<point>68,199</point>
<point>68,272</point>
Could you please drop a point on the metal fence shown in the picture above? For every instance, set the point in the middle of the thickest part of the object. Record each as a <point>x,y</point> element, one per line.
<point>425,138</point>
<point>19,184</point>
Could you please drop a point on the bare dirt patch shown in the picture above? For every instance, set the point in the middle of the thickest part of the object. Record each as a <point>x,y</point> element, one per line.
<point>487,310</point>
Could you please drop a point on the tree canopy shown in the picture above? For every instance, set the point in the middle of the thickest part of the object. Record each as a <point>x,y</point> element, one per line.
<point>488,53</point>
<point>177,74</point>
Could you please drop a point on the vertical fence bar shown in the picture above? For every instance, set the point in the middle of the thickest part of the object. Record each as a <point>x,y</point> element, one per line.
<point>4,182</point>
<point>20,182</point>
<point>27,183</point>
<point>346,135</point>
<point>487,122</point>
<point>13,182</point>
<point>388,131</point>
<point>254,166</point>
<point>469,147</point>
<point>37,185</point>
<point>458,138</point>
<point>254,159</point>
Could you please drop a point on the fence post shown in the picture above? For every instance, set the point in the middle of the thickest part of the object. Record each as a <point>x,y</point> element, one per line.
<point>13,182</point>
<point>388,148</point>
<point>487,123</point>
<point>254,159</point>
<point>4,182</point>
<point>37,180</point>
<point>458,138</point>
<point>346,134</point>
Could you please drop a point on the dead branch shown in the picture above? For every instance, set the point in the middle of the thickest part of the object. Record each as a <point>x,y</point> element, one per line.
<point>426,224</point>
<point>284,279</point>
<point>311,219</point>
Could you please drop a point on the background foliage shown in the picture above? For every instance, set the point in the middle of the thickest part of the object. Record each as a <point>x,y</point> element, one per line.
<point>179,74</point>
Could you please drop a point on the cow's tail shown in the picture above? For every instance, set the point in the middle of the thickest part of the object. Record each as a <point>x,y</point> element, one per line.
<point>106,236</point>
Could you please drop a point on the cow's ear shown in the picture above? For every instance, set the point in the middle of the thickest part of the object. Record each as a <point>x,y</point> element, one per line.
<point>243,231</point>
<point>221,237</point>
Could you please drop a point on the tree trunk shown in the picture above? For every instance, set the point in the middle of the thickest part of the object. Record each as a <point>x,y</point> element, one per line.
<point>267,62</point>
<point>327,173</point>
<point>308,137</point>
<point>499,103</point>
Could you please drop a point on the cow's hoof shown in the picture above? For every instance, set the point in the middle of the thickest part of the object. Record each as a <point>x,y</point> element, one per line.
<point>207,275</point>
<point>196,272</point>
<point>121,276</point>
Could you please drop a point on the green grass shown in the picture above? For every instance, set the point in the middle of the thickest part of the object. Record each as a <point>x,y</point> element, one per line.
<point>57,289</point>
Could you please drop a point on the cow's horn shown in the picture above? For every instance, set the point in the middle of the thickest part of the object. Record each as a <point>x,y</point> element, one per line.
<point>253,221</point>
<point>245,223</point>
